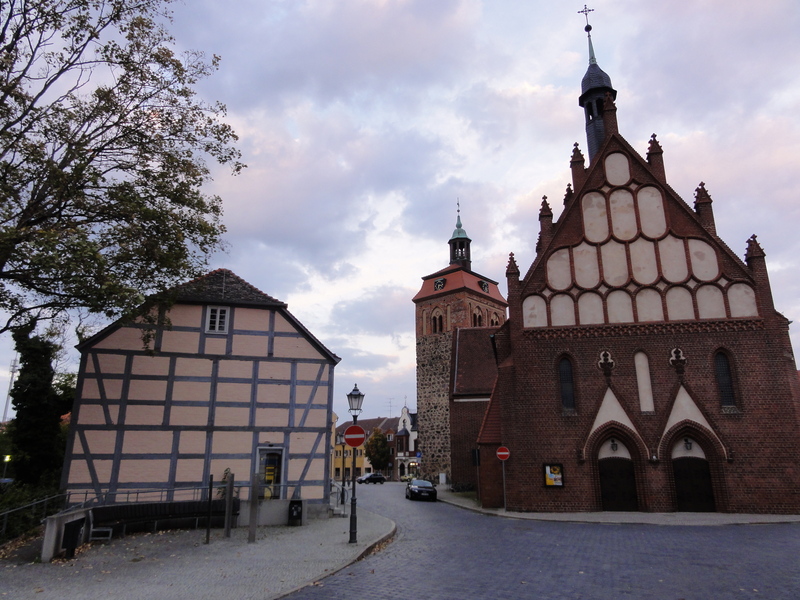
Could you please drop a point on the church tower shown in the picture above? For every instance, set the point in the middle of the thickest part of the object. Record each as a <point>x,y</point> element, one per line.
<point>450,299</point>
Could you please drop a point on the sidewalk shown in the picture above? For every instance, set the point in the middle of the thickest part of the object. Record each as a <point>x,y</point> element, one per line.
<point>468,502</point>
<point>179,565</point>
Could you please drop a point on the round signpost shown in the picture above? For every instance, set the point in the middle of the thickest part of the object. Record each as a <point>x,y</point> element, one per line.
<point>503,453</point>
<point>354,436</point>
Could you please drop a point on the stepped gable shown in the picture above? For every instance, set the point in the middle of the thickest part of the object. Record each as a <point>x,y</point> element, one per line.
<point>224,287</point>
<point>625,241</point>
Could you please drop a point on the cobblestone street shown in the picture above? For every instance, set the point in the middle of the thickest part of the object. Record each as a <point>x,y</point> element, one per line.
<point>443,552</point>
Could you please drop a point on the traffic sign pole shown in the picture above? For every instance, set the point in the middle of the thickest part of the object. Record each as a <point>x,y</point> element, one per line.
<point>503,454</point>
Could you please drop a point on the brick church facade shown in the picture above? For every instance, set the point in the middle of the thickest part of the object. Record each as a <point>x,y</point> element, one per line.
<point>643,365</point>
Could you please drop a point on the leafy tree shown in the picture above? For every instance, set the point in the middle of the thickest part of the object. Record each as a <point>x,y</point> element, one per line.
<point>36,433</point>
<point>103,149</point>
<point>376,449</point>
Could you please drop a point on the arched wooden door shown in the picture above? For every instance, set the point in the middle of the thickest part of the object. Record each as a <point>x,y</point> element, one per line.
<point>693,489</point>
<point>617,484</point>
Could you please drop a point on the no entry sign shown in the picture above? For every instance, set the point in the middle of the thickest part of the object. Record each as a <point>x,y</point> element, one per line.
<point>503,453</point>
<point>354,436</point>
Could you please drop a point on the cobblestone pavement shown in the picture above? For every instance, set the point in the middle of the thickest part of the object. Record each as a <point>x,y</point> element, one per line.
<point>443,552</point>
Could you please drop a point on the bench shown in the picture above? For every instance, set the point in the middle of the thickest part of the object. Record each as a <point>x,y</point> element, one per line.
<point>107,520</point>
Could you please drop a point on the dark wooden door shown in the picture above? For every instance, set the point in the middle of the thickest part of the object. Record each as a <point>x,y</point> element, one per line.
<point>618,484</point>
<point>693,485</point>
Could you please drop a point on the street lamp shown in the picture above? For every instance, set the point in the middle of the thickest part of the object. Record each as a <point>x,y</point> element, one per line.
<point>354,399</point>
<point>6,460</point>
<point>340,442</point>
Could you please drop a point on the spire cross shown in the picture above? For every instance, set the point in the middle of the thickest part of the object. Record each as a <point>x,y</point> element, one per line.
<point>585,12</point>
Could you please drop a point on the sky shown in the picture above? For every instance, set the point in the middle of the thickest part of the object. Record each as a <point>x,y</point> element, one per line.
<point>364,122</point>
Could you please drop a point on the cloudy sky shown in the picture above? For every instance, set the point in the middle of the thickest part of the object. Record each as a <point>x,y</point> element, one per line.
<point>364,121</point>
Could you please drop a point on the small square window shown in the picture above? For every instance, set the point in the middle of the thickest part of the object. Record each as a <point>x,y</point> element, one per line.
<point>217,319</point>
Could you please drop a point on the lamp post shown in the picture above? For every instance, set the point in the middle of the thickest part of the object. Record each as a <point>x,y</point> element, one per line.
<point>6,460</point>
<point>354,399</point>
<point>340,442</point>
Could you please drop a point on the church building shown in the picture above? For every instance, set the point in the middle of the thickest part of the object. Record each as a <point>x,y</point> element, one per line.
<point>643,365</point>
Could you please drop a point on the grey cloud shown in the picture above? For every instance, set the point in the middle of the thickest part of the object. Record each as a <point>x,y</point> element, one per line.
<point>386,310</point>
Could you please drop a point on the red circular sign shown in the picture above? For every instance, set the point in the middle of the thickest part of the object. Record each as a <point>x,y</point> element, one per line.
<point>503,453</point>
<point>354,436</point>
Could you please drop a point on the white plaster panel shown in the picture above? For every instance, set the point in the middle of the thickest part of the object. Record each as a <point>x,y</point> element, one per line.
<point>623,215</point>
<point>742,300</point>
<point>282,324</point>
<point>620,307</point>
<point>216,345</point>
<point>92,414</point>
<point>192,442</point>
<point>238,369</point>
<point>534,312</point>
<point>704,260</point>
<point>559,274</point>
<point>643,261</point>
<point>250,345</point>
<point>685,409</point>
<point>649,306</point>
<point>679,304</point>
<point>618,169</point>
<point>587,268</point>
<point>186,315</point>
<point>615,263</point>
<point>274,393</point>
<point>679,449</point>
<point>302,442</point>
<point>180,341</point>
<point>590,309</point>
<point>231,416</point>
<point>294,347</point>
<point>144,415</point>
<point>240,467</point>
<point>188,416</point>
<point>143,471</point>
<point>673,259</point>
<point>651,211</point>
<point>562,310</point>
<point>193,367</point>
<point>124,338</point>
<point>99,442</point>
<point>147,389</point>
<point>252,319</point>
<point>644,382</point>
<point>275,370</point>
<point>234,392</point>
<point>150,365</point>
<point>272,417</point>
<point>148,442</point>
<point>110,363</point>
<point>309,372</point>
<point>232,442</point>
<point>189,470</point>
<point>191,390</point>
<point>606,450</point>
<point>710,303</point>
<point>611,410</point>
<point>595,219</point>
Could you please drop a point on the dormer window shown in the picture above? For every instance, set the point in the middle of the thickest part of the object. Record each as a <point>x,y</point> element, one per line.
<point>217,319</point>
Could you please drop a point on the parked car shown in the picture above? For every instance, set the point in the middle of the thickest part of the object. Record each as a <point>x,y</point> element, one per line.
<point>405,478</point>
<point>372,478</point>
<point>421,489</point>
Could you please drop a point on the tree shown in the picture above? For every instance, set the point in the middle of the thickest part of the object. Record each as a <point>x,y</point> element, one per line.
<point>103,149</point>
<point>376,449</point>
<point>39,399</point>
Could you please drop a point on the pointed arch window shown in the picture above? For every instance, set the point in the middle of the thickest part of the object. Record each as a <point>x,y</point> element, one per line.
<point>477,318</point>
<point>566,385</point>
<point>437,322</point>
<point>724,376</point>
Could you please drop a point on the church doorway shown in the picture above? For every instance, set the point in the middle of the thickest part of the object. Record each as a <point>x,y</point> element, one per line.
<point>617,477</point>
<point>694,491</point>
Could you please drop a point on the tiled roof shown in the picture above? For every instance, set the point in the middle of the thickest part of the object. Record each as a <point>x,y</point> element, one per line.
<point>224,287</point>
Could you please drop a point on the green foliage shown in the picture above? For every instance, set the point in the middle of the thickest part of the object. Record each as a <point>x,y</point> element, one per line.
<point>38,440</point>
<point>102,158</point>
<point>376,449</point>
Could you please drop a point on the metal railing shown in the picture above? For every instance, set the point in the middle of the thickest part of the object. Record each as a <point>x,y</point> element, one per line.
<point>17,521</point>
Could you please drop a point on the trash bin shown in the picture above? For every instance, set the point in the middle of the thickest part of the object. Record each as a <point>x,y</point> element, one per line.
<point>72,533</point>
<point>297,512</point>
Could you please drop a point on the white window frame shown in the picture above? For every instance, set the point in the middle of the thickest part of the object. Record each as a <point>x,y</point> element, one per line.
<point>213,319</point>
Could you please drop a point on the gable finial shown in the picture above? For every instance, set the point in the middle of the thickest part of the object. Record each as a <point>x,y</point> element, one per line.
<point>588,29</point>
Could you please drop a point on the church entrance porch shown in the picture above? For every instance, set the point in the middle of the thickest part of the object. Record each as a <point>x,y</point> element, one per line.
<point>617,484</point>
